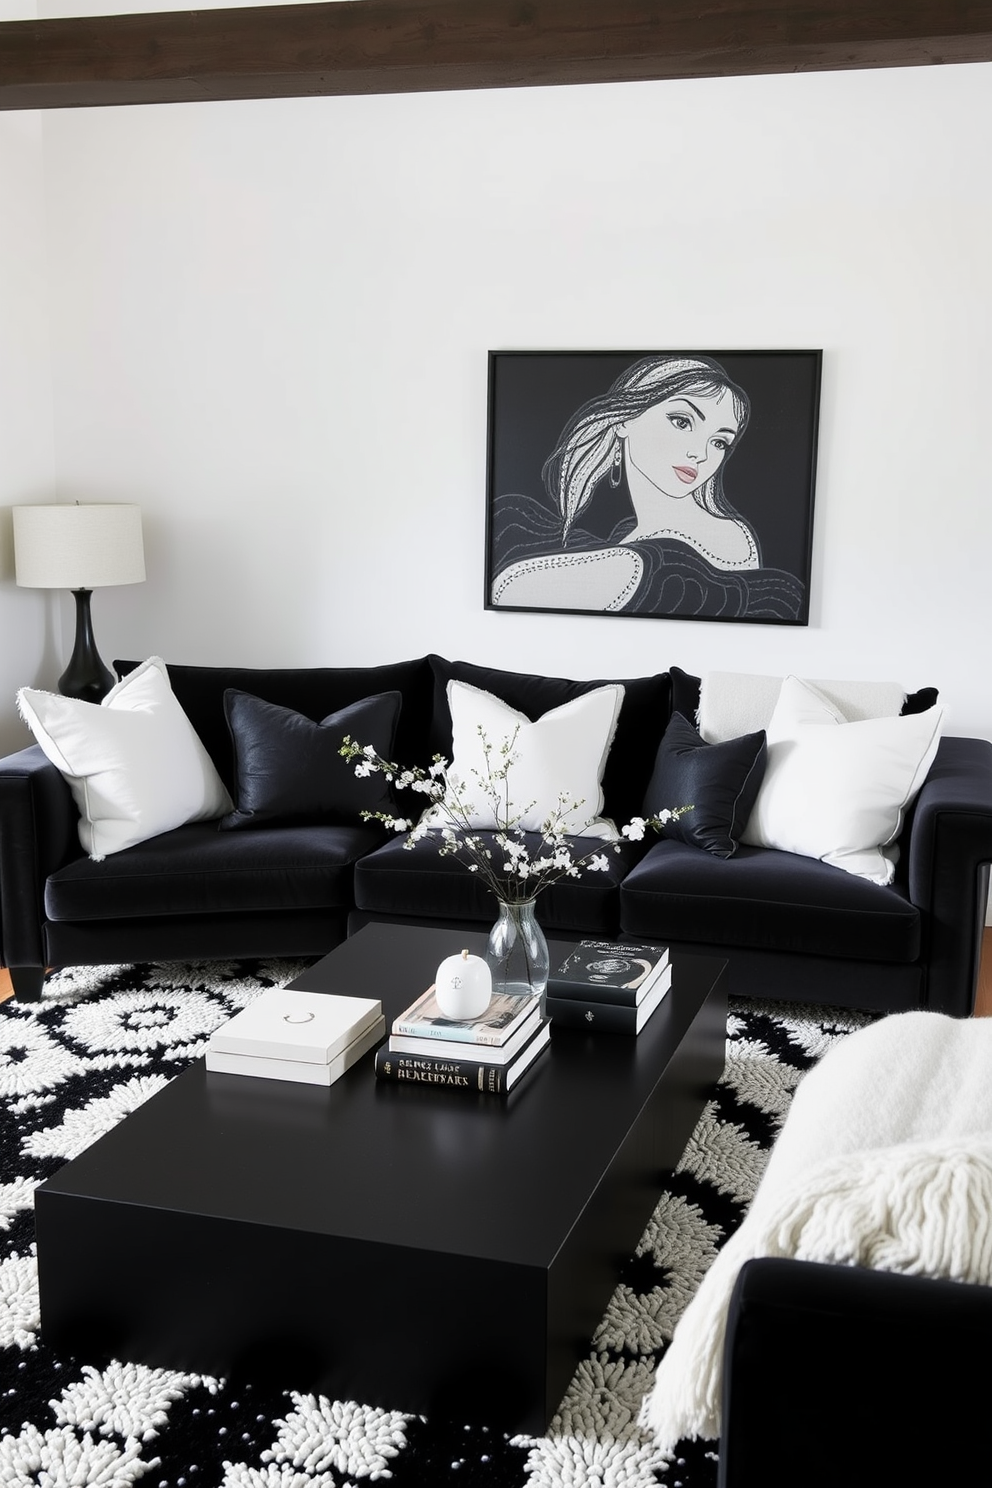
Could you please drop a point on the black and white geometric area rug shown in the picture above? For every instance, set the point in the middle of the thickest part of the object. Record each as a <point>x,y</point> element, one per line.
<point>103,1040</point>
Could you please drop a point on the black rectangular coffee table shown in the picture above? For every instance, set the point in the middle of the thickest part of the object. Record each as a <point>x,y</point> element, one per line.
<point>407,1247</point>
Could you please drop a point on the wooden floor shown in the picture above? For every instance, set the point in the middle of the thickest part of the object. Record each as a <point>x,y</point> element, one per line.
<point>983,998</point>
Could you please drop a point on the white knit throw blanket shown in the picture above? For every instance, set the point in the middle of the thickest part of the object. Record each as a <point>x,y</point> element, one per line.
<point>885,1161</point>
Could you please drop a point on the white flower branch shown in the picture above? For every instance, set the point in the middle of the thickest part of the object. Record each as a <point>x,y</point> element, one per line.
<point>517,873</point>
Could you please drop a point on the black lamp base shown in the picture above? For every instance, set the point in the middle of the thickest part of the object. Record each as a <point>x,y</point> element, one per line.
<point>85,677</point>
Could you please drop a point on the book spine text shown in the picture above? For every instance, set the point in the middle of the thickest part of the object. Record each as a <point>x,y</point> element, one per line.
<point>450,1074</point>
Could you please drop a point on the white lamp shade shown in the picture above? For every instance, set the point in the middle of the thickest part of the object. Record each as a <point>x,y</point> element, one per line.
<point>78,547</point>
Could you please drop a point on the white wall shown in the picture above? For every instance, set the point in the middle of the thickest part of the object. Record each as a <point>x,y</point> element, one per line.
<point>30,636</point>
<point>271,323</point>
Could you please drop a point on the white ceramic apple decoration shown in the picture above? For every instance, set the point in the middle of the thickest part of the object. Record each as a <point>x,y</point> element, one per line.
<point>463,987</point>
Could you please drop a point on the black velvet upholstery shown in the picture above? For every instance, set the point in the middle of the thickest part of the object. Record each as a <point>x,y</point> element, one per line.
<point>196,870</point>
<point>38,833</point>
<point>763,898</point>
<point>298,932</point>
<point>643,714</point>
<point>719,781</point>
<point>312,691</point>
<point>289,768</point>
<point>828,981</point>
<point>920,701</point>
<point>685,693</point>
<point>792,929</point>
<point>842,1375</point>
<point>399,881</point>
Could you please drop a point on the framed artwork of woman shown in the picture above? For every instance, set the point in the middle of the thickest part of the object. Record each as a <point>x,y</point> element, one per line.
<point>662,484</point>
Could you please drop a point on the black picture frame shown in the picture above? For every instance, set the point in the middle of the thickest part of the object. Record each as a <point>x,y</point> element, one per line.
<point>745,553</point>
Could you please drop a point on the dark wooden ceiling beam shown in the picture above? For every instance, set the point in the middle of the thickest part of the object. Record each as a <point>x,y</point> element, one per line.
<point>405,46</point>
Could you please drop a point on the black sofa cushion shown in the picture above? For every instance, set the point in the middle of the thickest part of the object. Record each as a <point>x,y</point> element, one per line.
<point>719,781</point>
<point>313,691</point>
<point>767,899</point>
<point>220,937</point>
<point>196,870</point>
<point>288,768</point>
<point>643,715</point>
<point>399,881</point>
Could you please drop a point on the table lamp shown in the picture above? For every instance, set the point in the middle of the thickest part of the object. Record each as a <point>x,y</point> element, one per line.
<point>82,548</point>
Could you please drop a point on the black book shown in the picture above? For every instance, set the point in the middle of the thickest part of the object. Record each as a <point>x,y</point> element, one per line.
<point>608,1017</point>
<point>611,971</point>
<point>469,1075</point>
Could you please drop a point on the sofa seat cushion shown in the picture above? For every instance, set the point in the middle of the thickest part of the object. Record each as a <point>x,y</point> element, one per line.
<point>198,870</point>
<point>399,881</point>
<point>769,900</point>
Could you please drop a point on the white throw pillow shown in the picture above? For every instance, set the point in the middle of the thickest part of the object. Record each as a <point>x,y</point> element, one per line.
<point>836,790</point>
<point>134,763</point>
<point>563,754</point>
<point>735,703</point>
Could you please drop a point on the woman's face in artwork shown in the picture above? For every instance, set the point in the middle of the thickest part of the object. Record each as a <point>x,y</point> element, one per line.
<point>681,442</point>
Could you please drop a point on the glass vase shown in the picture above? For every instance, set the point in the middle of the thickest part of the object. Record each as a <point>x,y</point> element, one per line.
<point>517,953</point>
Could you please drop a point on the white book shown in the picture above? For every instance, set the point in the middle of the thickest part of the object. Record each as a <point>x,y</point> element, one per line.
<point>310,1027</point>
<point>528,1055</point>
<point>408,1043</point>
<point>304,1072</point>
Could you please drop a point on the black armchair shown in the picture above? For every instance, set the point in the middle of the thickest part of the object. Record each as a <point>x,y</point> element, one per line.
<point>841,1375</point>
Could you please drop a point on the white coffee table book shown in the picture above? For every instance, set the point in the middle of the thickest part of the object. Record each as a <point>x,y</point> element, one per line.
<point>311,1037</point>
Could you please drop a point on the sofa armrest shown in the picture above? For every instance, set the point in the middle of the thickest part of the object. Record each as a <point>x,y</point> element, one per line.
<point>38,833</point>
<point>836,1374</point>
<point>949,849</point>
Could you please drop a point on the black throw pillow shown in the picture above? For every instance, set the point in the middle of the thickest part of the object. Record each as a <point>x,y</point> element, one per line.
<point>287,768</point>
<point>719,781</point>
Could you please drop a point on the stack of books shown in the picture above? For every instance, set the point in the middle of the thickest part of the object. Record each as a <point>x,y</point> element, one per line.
<point>487,1054</point>
<point>309,1037</point>
<point>609,986</point>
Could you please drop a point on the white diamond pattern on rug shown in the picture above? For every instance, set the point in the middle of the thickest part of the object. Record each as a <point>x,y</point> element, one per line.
<point>20,1309</point>
<point>320,1434</point>
<point>30,1061</point>
<point>106,1038</point>
<point>603,1399</point>
<point>127,1400</point>
<point>759,1080</point>
<point>61,1459</point>
<point>638,1322</point>
<point>15,1198</point>
<point>811,1035</point>
<point>681,1241</point>
<point>81,1128</point>
<point>238,1475</point>
<point>724,1156</point>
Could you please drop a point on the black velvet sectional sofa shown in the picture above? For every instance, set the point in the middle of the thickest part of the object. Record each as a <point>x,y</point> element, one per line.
<point>792,928</point>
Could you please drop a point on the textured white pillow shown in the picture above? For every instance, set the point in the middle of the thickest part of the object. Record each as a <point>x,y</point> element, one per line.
<point>563,753</point>
<point>836,790</point>
<point>735,703</point>
<point>134,763</point>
